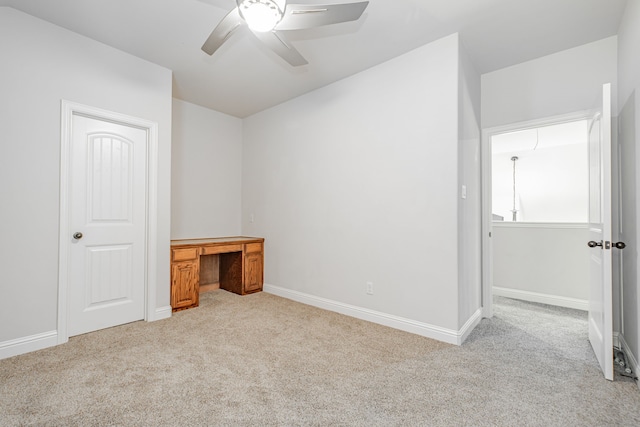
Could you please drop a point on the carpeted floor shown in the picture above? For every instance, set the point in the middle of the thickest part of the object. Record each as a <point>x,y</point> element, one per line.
<point>260,360</point>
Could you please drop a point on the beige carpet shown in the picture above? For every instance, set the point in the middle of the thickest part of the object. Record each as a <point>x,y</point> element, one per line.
<point>260,360</point>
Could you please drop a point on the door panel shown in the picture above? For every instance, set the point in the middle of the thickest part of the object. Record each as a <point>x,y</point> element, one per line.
<point>185,292</point>
<point>253,272</point>
<point>109,273</point>
<point>600,296</point>
<point>108,207</point>
<point>110,178</point>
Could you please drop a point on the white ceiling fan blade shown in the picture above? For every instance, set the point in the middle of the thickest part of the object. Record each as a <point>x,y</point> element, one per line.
<point>279,44</point>
<point>301,16</point>
<point>223,31</point>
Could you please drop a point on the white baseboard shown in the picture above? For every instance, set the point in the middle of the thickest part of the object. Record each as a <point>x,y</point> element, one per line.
<point>578,304</point>
<point>470,325</point>
<point>419,328</point>
<point>28,344</point>
<point>49,339</point>
<point>161,313</point>
<point>632,360</point>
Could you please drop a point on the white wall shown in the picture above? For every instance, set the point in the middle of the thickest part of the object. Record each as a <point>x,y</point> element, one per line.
<point>41,65</point>
<point>557,84</point>
<point>545,263</point>
<point>629,138</point>
<point>552,183</point>
<point>206,164</point>
<point>469,207</point>
<point>357,182</point>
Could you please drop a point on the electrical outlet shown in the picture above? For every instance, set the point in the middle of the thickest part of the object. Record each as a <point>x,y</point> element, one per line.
<point>252,218</point>
<point>369,288</point>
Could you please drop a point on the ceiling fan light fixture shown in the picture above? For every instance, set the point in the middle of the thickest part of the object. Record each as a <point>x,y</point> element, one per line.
<point>260,15</point>
<point>268,20</point>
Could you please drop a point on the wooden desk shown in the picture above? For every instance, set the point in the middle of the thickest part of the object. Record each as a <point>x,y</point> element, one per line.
<point>231,263</point>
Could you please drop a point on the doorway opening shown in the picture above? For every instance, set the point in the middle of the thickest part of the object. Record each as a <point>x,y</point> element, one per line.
<point>599,231</point>
<point>540,198</point>
<point>535,211</point>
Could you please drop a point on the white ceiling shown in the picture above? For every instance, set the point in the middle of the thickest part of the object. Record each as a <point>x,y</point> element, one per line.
<point>243,77</point>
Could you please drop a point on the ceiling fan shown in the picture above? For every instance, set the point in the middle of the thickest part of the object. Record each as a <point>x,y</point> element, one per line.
<point>267,19</point>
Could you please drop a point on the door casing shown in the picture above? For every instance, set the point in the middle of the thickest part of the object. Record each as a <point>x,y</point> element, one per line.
<point>68,110</point>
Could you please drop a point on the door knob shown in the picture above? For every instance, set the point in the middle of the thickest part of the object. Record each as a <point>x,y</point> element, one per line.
<point>593,244</point>
<point>77,235</point>
<point>619,245</point>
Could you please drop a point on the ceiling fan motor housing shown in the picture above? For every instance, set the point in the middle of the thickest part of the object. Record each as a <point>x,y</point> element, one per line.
<point>261,15</point>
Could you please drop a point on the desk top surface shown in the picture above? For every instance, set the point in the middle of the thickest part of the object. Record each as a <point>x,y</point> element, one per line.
<point>216,240</point>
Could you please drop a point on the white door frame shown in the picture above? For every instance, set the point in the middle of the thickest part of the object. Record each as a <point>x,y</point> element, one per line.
<point>68,110</point>
<point>487,228</point>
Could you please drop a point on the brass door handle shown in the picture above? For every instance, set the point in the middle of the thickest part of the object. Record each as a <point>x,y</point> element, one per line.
<point>593,244</point>
<point>77,235</point>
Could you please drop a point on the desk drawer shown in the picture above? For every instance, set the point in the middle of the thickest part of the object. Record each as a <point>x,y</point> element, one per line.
<point>254,247</point>
<point>184,254</point>
<point>222,249</point>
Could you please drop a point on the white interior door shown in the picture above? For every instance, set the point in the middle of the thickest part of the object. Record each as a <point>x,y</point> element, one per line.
<point>107,220</point>
<point>600,295</point>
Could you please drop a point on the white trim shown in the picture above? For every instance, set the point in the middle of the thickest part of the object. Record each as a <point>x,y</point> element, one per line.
<point>27,344</point>
<point>616,339</point>
<point>550,225</point>
<point>151,283</point>
<point>537,123</point>
<point>64,229</point>
<point>632,360</point>
<point>578,304</point>
<point>68,109</point>
<point>487,224</point>
<point>469,326</point>
<point>419,328</point>
<point>162,313</point>
<point>487,217</point>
